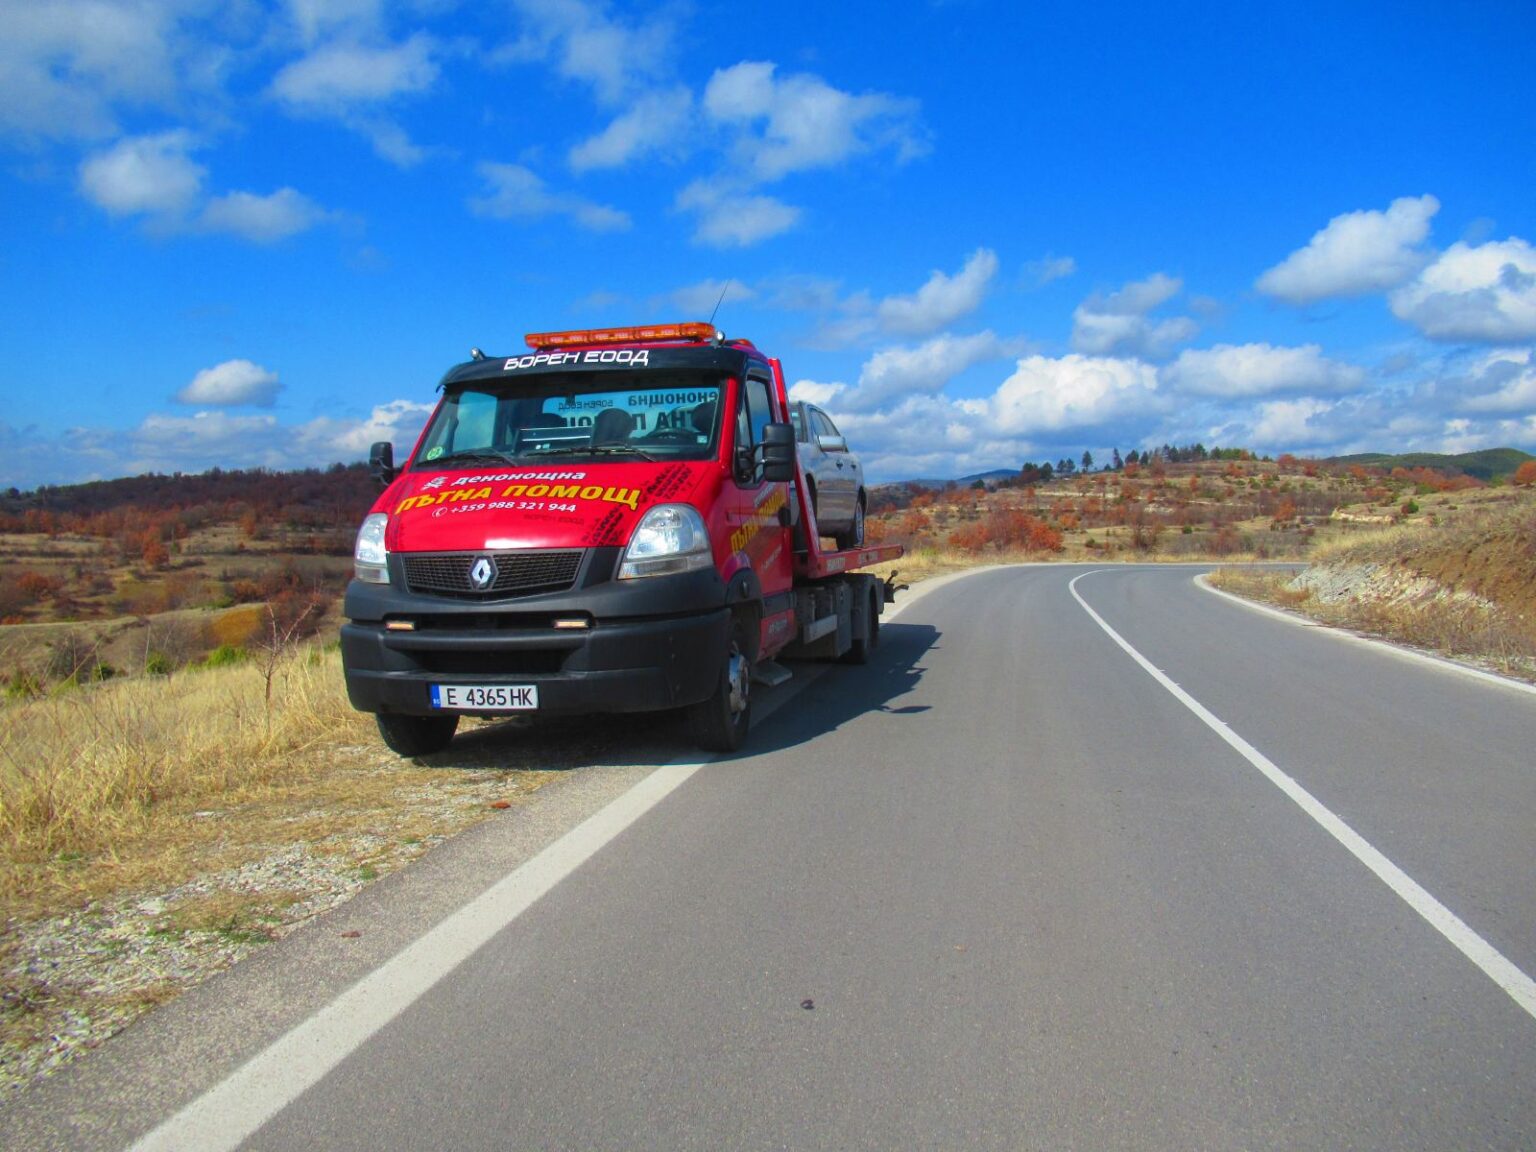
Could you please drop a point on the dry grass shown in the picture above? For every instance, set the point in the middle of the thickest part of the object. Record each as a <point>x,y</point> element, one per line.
<point>1460,581</point>
<point>142,784</point>
<point>153,830</point>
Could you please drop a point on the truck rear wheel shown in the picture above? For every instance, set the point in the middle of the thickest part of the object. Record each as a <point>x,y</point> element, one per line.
<point>720,723</point>
<point>416,735</point>
<point>859,651</point>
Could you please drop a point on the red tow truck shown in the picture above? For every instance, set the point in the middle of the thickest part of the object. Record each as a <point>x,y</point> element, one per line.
<point>613,521</point>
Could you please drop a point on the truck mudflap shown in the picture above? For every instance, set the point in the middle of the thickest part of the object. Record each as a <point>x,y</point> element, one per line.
<point>613,666</point>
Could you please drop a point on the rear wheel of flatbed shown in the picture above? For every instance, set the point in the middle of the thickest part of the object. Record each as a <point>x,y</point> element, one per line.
<point>720,723</point>
<point>416,735</point>
<point>859,651</point>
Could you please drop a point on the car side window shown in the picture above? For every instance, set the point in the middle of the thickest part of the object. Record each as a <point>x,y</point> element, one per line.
<point>822,423</point>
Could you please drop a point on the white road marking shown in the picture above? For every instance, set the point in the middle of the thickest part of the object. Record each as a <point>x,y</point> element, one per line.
<point>235,1108</point>
<point>1521,988</point>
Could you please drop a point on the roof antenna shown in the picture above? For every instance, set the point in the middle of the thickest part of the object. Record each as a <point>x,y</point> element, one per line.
<point>720,335</point>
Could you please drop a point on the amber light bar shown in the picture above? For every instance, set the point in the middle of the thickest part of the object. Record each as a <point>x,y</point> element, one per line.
<point>641,335</point>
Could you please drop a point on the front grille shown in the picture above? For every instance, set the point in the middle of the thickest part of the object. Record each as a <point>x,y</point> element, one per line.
<point>517,573</point>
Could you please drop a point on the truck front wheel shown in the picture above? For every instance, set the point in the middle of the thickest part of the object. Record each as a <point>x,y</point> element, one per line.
<point>416,735</point>
<point>720,723</point>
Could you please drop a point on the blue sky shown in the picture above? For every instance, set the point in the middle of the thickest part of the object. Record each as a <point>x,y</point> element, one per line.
<point>246,234</point>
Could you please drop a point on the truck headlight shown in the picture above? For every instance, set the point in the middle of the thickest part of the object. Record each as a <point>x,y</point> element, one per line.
<point>370,559</point>
<point>670,538</point>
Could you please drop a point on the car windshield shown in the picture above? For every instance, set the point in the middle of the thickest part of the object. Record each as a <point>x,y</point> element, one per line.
<point>597,415</point>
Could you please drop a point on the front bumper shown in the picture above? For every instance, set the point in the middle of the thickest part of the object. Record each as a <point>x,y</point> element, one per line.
<point>651,645</point>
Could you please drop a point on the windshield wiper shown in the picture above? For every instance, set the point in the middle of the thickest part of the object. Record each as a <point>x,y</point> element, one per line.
<point>469,454</point>
<point>597,450</point>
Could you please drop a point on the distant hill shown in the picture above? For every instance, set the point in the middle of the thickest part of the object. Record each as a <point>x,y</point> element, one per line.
<point>963,481</point>
<point>336,498</point>
<point>1485,465</point>
<point>995,474</point>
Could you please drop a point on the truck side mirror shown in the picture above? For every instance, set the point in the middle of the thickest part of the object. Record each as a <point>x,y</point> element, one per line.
<point>778,449</point>
<point>381,463</point>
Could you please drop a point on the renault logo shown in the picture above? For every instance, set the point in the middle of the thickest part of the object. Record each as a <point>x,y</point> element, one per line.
<point>482,573</point>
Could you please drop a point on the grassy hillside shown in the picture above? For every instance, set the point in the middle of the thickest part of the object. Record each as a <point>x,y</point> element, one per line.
<point>1489,464</point>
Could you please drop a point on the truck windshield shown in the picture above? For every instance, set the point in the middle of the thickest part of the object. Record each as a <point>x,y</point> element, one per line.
<point>592,414</point>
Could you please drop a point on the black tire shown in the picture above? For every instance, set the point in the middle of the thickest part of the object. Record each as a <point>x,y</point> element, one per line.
<point>721,723</point>
<point>854,537</point>
<point>861,648</point>
<point>416,735</point>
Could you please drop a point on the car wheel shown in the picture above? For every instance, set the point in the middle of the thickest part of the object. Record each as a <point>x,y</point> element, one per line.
<point>854,537</point>
<point>721,722</point>
<point>416,735</point>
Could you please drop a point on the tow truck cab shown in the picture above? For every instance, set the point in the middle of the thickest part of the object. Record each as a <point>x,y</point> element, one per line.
<point>607,523</point>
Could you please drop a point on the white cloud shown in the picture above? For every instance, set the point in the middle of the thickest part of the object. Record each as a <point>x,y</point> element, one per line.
<point>350,81</point>
<point>941,301</point>
<point>894,373</point>
<point>1502,382</point>
<point>65,64</point>
<point>655,122</point>
<point>1120,323</point>
<point>515,192</point>
<point>1039,273</point>
<point>1072,392</point>
<point>144,176</point>
<point>1246,370</point>
<point>1484,293</point>
<point>814,392</point>
<point>262,219</point>
<point>615,59</point>
<point>327,438</point>
<point>1293,424</point>
<point>318,19</point>
<point>336,78</point>
<point>1356,254</point>
<point>154,176</point>
<point>799,122</point>
<point>730,218</point>
<point>230,383</point>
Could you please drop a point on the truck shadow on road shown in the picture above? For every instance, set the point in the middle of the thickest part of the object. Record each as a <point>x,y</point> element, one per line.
<point>837,695</point>
<point>842,694</point>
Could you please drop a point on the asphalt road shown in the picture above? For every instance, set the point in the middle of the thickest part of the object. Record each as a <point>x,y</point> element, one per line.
<point>1007,887</point>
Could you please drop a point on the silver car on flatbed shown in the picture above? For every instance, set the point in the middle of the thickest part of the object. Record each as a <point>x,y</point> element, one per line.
<point>835,476</point>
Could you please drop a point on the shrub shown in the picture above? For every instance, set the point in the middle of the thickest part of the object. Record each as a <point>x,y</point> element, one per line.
<point>237,627</point>
<point>225,655</point>
<point>158,664</point>
<point>22,685</point>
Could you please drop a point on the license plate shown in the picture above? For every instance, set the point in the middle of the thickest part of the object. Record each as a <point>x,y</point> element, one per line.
<point>486,697</point>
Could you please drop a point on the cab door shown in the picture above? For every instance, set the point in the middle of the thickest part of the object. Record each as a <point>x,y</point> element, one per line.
<point>758,509</point>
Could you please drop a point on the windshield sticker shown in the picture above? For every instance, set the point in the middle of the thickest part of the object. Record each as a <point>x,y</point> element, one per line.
<point>629,497</point>
<point>434,453</point>
<point>627,356</point>
<point>498,477</point>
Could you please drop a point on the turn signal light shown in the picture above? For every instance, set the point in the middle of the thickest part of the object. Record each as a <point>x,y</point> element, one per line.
<point>642,335</point>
